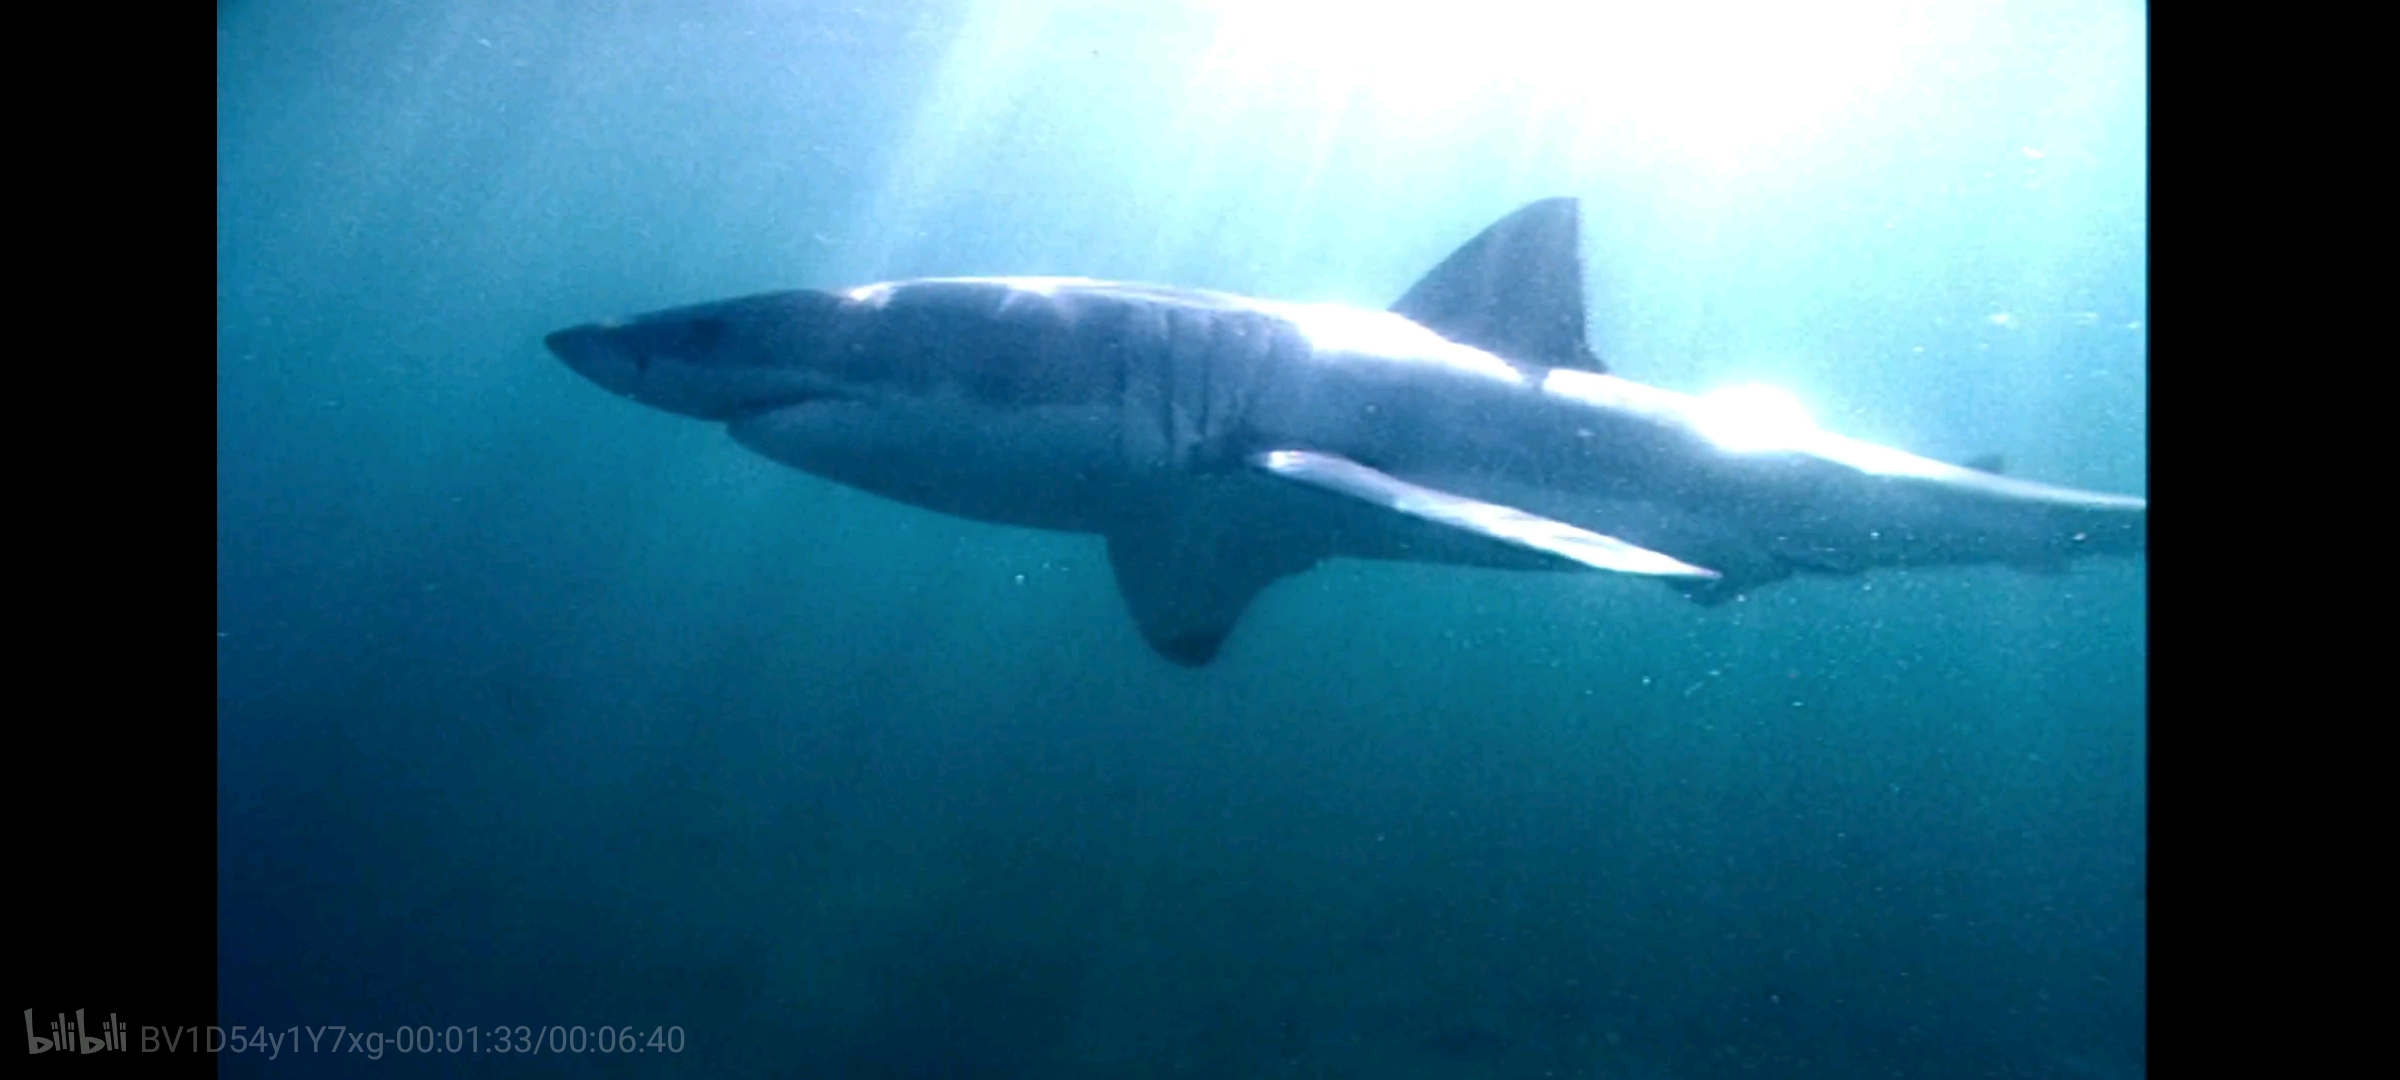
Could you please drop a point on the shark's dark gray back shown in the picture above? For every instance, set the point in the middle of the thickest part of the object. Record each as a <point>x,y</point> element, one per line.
<point>1180,363</point>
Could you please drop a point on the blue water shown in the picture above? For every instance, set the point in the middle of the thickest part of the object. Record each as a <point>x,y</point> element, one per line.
<point>540,708</point>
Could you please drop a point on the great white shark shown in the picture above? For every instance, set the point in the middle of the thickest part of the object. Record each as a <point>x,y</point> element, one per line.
<point>1219,442</point>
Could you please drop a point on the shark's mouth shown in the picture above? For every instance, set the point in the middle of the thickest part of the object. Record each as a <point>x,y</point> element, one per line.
<point>784,402</point>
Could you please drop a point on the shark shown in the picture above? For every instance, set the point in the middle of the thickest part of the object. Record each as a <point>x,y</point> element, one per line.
<point>1219,443</point>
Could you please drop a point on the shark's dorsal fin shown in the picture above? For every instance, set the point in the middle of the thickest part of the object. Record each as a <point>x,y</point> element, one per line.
<point>1516,290</point>
<point>1342,476</point>
<point>1988,463</point>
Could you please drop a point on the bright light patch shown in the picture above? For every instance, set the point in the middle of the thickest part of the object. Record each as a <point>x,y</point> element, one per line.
<point>880,293</point>
<point>1754,417</point>
<point>1712,78</point>
<point>1357,332</point>
<point>1043,286</point>
<point>872,295</point>
<point>1334,328</point>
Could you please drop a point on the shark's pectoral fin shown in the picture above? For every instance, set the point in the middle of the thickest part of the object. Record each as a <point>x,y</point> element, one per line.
<point>1187,582</point>
<point>1343,476</point>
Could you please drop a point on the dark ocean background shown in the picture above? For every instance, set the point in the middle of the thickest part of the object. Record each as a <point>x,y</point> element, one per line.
<point>536,707</point>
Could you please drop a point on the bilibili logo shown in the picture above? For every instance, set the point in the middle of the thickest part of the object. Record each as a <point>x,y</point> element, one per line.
<point>75,1038</point>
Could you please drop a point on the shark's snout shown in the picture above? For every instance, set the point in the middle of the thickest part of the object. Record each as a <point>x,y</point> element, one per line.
<point>565,343</point>
<point>590,351</point>
<point>692,362</point>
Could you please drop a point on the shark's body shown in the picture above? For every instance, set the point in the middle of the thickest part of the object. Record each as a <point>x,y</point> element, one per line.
<point>1220,442</point>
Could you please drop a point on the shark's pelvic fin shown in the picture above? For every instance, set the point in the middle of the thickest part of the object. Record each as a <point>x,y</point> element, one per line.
<point>1516,290</point>
<point>1343,476</point>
